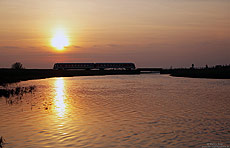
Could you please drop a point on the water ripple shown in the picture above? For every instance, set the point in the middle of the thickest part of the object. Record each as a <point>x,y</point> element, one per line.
<point>119,111</point>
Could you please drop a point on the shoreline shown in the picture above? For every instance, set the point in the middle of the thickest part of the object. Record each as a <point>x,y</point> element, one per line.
<point>8,76</point>
<point>209,73</point>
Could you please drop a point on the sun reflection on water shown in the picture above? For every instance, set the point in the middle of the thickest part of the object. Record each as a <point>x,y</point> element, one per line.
<point>60,97</point>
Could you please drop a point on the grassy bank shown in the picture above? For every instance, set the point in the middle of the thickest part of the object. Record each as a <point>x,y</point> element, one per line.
<point>12,75</point>
<point>220,72</point>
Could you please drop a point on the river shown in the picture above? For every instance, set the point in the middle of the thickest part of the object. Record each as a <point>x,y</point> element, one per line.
<point>130,111</point>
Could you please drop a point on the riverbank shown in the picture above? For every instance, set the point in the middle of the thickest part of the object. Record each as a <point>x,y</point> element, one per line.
<point>12,75</point>
<point>222,72</point>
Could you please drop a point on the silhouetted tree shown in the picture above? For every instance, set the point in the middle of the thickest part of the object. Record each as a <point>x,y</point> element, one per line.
<point>192,66</point>
<point>17,65</point>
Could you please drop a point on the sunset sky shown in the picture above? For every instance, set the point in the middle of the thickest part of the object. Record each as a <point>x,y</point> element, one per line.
<point>150,33</point>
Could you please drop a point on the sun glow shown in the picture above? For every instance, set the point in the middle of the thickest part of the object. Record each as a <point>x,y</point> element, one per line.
<point>60,40</point>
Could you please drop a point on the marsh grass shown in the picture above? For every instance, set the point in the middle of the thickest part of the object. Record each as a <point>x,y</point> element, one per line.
<point>2,142</point>
<point>18,91</point>
<point>15,95</point>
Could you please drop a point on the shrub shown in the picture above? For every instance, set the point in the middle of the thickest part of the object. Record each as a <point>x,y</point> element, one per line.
<point>17,65</point>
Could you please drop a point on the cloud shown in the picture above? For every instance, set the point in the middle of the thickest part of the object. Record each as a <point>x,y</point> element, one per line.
<point>113,45</point>
<point>10,47</point>
<point>77,46</point>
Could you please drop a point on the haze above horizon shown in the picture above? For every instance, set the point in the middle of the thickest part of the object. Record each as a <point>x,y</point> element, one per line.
<point>150,33</point>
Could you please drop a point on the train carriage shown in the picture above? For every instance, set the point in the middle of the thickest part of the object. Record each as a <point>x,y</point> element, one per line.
<point>89,66</point>
<point>102,66</point>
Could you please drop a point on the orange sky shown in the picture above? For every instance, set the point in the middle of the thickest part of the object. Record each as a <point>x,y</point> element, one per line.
<point>151,33</point>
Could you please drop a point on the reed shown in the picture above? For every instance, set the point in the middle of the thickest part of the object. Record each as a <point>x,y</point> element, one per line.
<point>2,142</point>
<point>18,91</point>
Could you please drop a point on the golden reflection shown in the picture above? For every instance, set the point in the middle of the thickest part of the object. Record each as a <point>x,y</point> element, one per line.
<point>60,97</point>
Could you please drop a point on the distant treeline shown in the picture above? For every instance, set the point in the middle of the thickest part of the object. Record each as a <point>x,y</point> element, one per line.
<point>218,72</point>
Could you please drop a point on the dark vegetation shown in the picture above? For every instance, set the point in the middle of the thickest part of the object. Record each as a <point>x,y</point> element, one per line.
<point>15,95</point>
<point>18,91</point>
<point>217,72</point>
<point>17,66</point>
<point>2,142</point>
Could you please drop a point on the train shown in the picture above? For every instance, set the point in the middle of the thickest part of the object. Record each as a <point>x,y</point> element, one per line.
<point>90,66</point>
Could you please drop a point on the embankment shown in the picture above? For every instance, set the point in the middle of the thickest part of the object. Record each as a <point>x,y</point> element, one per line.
<point>12,75</point>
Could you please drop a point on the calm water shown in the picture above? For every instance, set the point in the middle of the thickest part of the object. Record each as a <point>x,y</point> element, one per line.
<point>148,110</point>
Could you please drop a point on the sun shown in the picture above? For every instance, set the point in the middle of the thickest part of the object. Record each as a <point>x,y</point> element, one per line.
<point>60,40</point>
